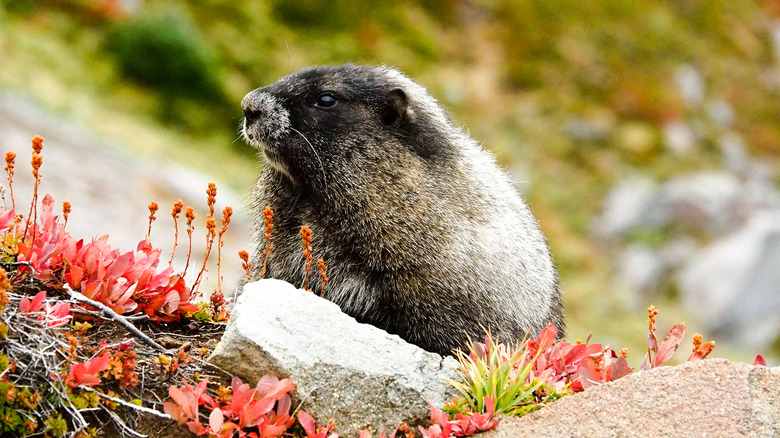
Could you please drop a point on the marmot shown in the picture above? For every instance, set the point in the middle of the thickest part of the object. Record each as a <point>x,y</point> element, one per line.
<point>424,235</point>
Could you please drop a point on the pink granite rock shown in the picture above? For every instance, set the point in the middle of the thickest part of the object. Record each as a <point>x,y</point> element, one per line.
<point>712,398</point>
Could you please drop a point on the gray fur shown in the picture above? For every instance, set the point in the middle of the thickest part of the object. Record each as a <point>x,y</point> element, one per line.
<point>424,235</point>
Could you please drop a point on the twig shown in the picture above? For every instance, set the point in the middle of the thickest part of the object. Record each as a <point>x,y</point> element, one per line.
<point>211,365</point>
<point>118,420</point>
<point>98,314</point>
<point>118,318</point>
<point>128,404</point>
<point>72,409</point>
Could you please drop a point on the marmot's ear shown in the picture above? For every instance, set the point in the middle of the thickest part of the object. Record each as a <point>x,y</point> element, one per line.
<point>396,106</point>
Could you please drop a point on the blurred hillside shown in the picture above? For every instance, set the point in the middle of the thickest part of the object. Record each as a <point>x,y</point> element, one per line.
<point>574,97</point>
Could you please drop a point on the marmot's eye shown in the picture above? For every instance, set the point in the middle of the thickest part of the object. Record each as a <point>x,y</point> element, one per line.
<point>326,100</point>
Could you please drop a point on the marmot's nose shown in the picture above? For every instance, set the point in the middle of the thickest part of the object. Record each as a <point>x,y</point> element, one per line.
<point>253,109</point>
<point>251,115</point>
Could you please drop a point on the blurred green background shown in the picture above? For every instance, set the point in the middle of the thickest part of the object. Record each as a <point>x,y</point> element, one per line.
<point>572,96</point>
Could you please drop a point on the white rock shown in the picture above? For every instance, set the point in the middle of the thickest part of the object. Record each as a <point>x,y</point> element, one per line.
<point>638,271</point>
<point>705,200</point>
<point>721,113</point>
<point>691,85</point>
<point>679,137</point>
<point>356,374</point>
<point>632,203</point>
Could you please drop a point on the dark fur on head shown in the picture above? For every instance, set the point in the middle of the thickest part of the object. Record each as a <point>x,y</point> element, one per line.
<point>423,234</point>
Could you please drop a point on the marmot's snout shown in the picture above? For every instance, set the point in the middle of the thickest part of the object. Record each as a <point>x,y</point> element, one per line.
<point>251,114</point>
<point>264,117</point>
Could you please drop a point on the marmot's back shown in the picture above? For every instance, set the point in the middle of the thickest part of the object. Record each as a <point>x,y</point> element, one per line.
<point>423,233</point>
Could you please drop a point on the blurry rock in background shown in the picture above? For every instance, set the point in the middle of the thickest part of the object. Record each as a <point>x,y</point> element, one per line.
<point>734,283</point>
<point>715,236</point>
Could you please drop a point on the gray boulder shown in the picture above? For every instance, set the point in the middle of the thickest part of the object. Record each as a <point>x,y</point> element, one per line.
<point>633,203</point>
<point>696,399</point>
<point>734,284</point>
<point>355,374</point>
<point>707,200</point>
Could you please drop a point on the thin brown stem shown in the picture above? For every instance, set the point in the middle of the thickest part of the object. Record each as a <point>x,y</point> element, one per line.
<point>268,215</point>
<point>177,207</point>
<point>189,213</point>
<point>307,253</point>
<point>226,213</point>
<point>245,264</point>
<point>153,207</point>
<point>10,156</point>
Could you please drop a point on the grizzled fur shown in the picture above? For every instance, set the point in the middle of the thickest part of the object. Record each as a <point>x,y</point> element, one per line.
<point>423,234</point>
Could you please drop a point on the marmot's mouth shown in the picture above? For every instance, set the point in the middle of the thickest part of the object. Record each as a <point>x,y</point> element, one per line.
<point>271,154</point>
<point>274,160</point>
<point>251,135</point>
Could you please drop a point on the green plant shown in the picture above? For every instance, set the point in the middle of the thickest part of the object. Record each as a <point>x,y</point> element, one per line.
<point>165,52</point>
<point>493,371</point>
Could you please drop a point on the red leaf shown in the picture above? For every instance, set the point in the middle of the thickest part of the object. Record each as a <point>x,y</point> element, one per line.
<point>6,219</point>
<point>575,354</point>
<point>196,427</point>
<point>484,421</point>
<point>120,265</point>
<point>760,360</point>
<point>307,422</point>
<point>280,389</point>
<point>36,305</point>
<point>175,412</point>
<point>187,307</point>
<point>272,430</point>
<point>672,342</point>
<point>432,432</point>
<point>216,419</point>
<point>621,368</point>
<point>74,277</point>
<point>85,374</point>
<point>57,315</point>
<point>438,416</point>
<point>185,399</point>
<point>547,337</point>
<point>77,375</point>
<point>704,350</point>
<point>283,406</point>
<point>587,378</point>
<point>98,364</point>
<point>253,411</point>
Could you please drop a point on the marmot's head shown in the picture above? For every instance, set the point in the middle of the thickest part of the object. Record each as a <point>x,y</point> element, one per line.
<point>323,121</point>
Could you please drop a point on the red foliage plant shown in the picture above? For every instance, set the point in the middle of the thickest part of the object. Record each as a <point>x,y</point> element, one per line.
<point>561,367</point>
<point>259,411</point>
<point>52,315</point>
<point>124,282</point>
<point>463,425</point>
<point>86,374</point>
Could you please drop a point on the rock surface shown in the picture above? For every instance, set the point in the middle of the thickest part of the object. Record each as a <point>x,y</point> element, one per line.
<point>356,374</point>
<point>706,398</point>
